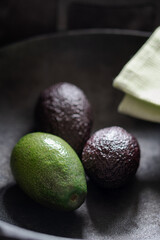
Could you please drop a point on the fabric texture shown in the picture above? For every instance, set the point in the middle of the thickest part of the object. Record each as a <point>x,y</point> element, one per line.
<point>140,80</point>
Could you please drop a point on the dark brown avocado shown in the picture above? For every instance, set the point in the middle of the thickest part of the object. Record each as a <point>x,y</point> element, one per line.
<point>64,110</point>
<point>111,157</point>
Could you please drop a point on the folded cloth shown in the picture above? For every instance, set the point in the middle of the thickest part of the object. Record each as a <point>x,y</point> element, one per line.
<point>140,80</point>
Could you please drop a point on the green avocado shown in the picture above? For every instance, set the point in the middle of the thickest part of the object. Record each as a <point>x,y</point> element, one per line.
<point>49,171</point>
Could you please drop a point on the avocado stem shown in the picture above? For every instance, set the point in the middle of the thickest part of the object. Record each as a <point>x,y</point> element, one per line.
<point>74,197</point>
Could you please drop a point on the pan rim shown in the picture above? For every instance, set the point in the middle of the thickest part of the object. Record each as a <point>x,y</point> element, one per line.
<point>72,33</point>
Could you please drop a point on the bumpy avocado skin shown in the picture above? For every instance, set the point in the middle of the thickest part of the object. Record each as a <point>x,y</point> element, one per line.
<point>111,157</point>
<point>64,111</point>
<point>49,171</point>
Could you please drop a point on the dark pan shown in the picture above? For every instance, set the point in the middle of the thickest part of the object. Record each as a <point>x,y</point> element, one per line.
<point>91,61</point>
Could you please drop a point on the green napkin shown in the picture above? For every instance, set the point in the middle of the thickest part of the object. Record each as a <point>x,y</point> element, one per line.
<point>140,80</point>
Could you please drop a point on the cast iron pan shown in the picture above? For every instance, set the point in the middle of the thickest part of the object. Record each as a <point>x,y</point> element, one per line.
<point>91,61</point>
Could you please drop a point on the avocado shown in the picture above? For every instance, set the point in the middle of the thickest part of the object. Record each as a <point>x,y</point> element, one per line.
<point>64,110</point>
<point>111,157</point>
<point>49,171</point>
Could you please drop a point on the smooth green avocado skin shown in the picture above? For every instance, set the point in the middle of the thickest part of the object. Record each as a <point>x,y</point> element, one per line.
<point>49,171</point>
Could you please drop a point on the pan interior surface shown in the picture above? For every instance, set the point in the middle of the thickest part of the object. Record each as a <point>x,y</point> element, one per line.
<point>90,61</point>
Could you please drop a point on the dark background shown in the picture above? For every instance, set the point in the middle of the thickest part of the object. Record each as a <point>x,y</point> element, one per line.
<point>22,19</point>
